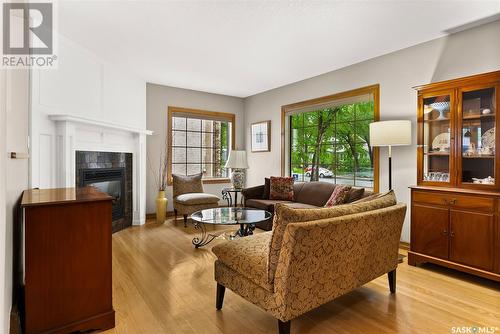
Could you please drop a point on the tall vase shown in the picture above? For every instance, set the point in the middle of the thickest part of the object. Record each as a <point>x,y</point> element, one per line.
<point>161,207</point>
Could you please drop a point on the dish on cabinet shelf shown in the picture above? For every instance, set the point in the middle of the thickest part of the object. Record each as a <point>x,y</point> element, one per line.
<point>486,180</point>
<point>437,176</point>
<point>441,142</point>
<point>488,139</point>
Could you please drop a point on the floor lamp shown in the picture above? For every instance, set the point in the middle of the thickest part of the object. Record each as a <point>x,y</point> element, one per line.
<point>390,133</point>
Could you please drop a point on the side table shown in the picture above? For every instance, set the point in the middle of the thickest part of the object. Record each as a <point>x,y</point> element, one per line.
<point>227,195</point>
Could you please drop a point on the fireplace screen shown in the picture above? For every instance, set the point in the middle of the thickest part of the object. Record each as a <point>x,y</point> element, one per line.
<point>112,188</point>
<point>107,180</point>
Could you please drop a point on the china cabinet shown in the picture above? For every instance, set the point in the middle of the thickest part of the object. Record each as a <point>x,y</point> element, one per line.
<point>455,206</point>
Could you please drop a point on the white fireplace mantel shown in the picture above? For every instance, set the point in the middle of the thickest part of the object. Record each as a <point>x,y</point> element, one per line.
<point>83,120</point>
<point>75,133</point>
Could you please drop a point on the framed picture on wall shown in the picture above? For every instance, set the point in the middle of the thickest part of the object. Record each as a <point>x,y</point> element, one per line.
<point>261,136</point>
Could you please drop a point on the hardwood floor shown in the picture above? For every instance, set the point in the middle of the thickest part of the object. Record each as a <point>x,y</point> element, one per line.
<point>162,284</point>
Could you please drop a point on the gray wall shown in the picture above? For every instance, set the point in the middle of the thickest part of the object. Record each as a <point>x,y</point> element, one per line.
<point>465,53</point>
<point>158,98</point>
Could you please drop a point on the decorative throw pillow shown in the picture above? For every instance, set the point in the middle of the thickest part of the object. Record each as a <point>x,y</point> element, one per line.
<point>267,188</point>
<point>185,184</point>
<point>339,196</point>
<point>368,198</point>
<point>281,188</point>
<point>355,194</point>
<point>284,215</point>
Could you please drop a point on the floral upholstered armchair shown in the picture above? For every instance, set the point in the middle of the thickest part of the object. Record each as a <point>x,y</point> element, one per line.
<point>312,256</point>
<point>189,196</point>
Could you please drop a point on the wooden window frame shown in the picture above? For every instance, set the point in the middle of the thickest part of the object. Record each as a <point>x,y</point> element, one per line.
<point>287,109</point>
<point>213,115</point>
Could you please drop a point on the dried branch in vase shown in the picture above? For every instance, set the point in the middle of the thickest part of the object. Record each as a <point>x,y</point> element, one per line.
<point>161,175</point>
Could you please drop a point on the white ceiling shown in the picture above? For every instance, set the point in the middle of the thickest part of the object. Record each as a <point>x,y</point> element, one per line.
<point>241,48</point>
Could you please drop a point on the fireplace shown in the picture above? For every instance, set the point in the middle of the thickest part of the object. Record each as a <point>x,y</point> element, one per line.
<point>110,172</point>
<point>107,180</point>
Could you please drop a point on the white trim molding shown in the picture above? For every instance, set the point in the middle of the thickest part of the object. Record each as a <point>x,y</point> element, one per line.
<point>82,134</point>
<point>83,120</point>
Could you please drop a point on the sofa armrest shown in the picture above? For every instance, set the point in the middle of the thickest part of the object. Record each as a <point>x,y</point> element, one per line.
<point>253,192</point>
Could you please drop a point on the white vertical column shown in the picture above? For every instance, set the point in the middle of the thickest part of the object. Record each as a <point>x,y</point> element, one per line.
<point>140,180</point>
<point>65,155</point>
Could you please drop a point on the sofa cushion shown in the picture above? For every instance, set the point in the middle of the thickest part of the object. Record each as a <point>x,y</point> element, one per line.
<point>355,194</point>
<point>196,198</point>
<point>315,193</point>
<point>297,205</point>
<point>285,215</point>
<point>267,188</point>
<point>281,188</point>
<point>183,184</point>
<point>247,256</point>
<point>297,188</point>
<point>264,204</point>
<point>340,195</point>
<point>368,198</point>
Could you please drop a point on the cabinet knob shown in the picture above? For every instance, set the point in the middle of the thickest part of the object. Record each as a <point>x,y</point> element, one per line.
<point>445,232</point>
<point>452,234</point>
<point>453,201</point>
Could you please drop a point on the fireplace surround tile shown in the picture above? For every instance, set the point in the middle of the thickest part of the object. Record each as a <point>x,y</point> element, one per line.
<point>91,159</point>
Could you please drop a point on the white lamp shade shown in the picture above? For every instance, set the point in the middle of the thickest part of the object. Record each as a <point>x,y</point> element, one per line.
<point>237,159</point>
<point>390,133</point>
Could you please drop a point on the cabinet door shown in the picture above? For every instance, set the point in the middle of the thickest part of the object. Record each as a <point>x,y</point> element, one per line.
<point>435,138</point>
<point>472,236</point>
<point>429,230</point>
<point>476,145</point>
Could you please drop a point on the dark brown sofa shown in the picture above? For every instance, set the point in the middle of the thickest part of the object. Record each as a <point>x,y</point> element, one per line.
<point>307,195</point>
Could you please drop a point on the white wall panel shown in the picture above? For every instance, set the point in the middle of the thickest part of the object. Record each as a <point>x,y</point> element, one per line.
<point>46,165</point>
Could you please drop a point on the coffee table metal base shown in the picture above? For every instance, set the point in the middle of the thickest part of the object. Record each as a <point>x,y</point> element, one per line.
<point>206,238</point>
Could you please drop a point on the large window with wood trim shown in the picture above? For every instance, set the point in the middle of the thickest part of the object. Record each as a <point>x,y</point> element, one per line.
<point>327,139</point>
<point>199,142</point>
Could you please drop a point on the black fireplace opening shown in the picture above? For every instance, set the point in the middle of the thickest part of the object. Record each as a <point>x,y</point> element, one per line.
<point>110,181</point>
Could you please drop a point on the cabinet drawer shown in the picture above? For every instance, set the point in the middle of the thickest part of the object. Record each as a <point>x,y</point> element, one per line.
<point>455,201</point>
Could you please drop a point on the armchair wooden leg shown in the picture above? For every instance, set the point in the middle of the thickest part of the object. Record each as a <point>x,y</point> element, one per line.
<point>175,214</point>
<point>220,296</point>
<point>185,220</point>
<point>392,280</point>
<point>284,327</point>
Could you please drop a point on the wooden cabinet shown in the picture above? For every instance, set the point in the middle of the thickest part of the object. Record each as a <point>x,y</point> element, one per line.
<point>457,231</point>
<point>430,235</point>
<point>471,239</point>
<point>456,133</point>
<point>455,205</point>
<point>67,267</point>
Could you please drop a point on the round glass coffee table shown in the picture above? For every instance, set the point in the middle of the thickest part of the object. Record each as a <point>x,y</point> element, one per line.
<point>245,217</point>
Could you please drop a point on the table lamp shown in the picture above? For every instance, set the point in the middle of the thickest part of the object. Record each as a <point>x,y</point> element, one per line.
<point>237,161</point>
<point>390,133</point>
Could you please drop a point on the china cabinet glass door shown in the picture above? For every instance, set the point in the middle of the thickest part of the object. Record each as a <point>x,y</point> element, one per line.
<point>437,138</point>
<point>477,129</point>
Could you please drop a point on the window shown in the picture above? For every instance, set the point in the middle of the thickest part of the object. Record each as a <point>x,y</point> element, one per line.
<point>199,142</point>
<point>327,139</point>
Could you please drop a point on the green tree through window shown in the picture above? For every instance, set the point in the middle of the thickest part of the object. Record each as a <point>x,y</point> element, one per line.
<point>333,144</point>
